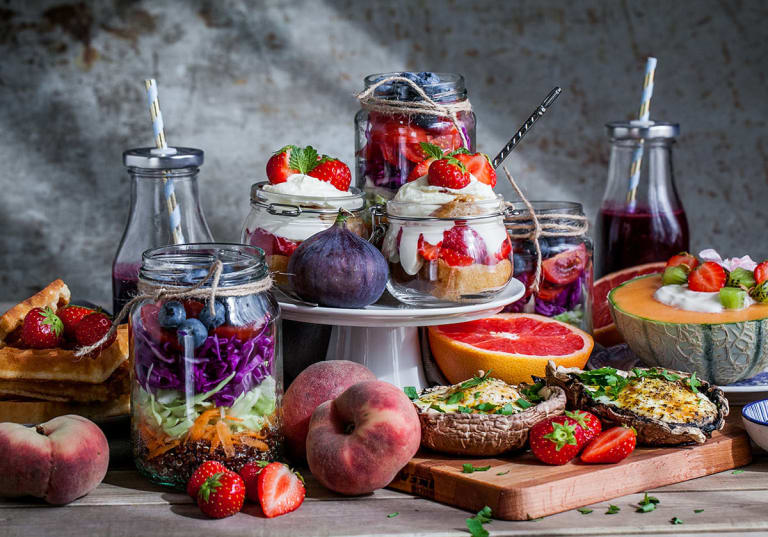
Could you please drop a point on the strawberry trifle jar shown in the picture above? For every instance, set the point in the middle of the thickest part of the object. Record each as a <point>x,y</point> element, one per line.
<point>445,240</point>
<point>207,365</point>
<point>302,197</point>
<point>389,130</point>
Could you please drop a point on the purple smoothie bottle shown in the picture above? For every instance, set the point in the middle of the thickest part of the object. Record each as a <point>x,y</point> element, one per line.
<point>149,225</point>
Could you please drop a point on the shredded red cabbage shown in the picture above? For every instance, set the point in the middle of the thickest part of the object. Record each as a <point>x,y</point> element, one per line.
<point>566,300</point>
<point>160,365</point>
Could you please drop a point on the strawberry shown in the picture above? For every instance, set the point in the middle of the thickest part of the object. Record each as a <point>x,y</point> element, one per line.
<point>612,445</point>
<point>432,153</point>
<point>41,329</point>
<point>683,258</point>
<point>283,246</point>
<point>426,250</point>
<point>478,165</point>
<point>250,474</point>
<point>463,245</point>
<point>588,422</point>
<point>221,495</point>
<point>448,173</point>
<point>243,332</point>
<point>761,273</point>
<point>70,316</point>
<point>333,171</point>
<point>280,490</point>
<point>504,251</point>
<point>455,259</point>
<point>203,472</point>
<point>278,165</point>
<point>92,328</point>
<point>708,277</point>
<point>556,440</point>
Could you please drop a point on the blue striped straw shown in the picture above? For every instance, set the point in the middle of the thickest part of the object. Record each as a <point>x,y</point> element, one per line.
<point>643,117</point>
<point>158,128</point>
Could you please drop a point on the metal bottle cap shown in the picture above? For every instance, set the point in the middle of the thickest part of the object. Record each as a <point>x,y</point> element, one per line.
<point>163,159</point>
<point>645,130</point>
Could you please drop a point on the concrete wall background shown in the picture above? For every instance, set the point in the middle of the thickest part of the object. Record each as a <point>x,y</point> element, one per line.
<point>240,79</point>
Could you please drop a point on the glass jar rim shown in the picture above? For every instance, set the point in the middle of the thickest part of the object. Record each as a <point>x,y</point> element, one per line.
<point>398,210</point>
<point>547,207</point>
<point>185,265</point>
<point>309,204</point>
<point>449,85</point>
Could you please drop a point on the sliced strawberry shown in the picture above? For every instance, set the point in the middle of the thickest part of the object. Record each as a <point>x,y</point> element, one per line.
<point>420,170</point>
<point>683,258</point>
<point>201,474</point>
<point>395,137</point>
<point>504,251</point>
<point>426,250</point>
<point>448,172</point>
<point>278,165</point>
<point>449,140</point>
<point>455,259</point>
<point>70,316</point>
<point>612,445</point>
<point>41,329</point>
<point>708,277</point>
<point>333,171</point>
<point>761,273</point>
<point>479,165</point>
<point>280,490</point>
<point>465,242</point>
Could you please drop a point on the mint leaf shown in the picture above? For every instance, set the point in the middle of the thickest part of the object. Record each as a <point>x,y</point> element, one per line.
<point>584,510</point>
<point>459,151</point>
<point>303,159</point>
<point>393,515</point>
<point>612,509</point>
<point>411,392</point>
<point>431,150</point>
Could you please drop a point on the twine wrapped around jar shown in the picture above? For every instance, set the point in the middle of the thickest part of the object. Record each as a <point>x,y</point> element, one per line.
<point>427,106</point>
<point>165,292</point>
<point>532,226</point>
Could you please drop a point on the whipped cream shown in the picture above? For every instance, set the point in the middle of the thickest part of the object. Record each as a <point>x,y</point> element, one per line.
<point>298,228</point>
<point>420,191</point>
<point>679,296</point>
<point>305,186</point>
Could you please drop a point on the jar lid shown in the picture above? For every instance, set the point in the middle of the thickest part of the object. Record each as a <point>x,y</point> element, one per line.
<point>642,130</point>
<point>293,205</point>
<point>163,159</point>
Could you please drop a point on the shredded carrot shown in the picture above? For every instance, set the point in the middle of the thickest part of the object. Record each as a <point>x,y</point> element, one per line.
<point>253,442</point>
<point>214,443</point>
<point>226,438</point>
<point>232,418</point>
<point>201,423</point>
<point>254,434</point>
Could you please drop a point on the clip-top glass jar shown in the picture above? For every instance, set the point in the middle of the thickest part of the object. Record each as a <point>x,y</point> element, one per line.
<point>152,171</point>
<point>278,223</point>
<point>205,387</point>
<point>565,286</point>
<point>387,144</point>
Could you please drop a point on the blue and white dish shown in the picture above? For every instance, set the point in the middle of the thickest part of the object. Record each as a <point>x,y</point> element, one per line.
<point>755,418</point>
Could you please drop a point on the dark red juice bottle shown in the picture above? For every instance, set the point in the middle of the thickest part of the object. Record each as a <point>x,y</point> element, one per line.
<point>641,219</point>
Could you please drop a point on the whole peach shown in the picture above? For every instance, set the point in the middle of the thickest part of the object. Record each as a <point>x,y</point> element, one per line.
<point>58,461</point>
<point>359,441</point>
<point>320,382</point>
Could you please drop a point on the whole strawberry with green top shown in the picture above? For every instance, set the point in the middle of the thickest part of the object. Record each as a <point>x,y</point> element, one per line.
<point>41,329</point>
<point>556,440</point>
<point>221,495</point>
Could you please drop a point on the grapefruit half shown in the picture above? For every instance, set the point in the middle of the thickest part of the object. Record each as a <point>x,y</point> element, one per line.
<point>603,329</point>
<point>513,345</point>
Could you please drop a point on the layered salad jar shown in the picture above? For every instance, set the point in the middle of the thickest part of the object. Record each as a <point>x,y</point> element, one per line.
<point>284,215</point>
<point>446,245</point>
<point>565,285</point>
<point>207,379</point>
<point>388,141</point>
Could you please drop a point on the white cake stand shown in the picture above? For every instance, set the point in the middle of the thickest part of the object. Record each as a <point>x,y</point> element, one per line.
<point>384,337</point>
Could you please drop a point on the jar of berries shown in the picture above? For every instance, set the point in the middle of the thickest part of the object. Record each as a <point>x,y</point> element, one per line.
<point>207,364</point>
<point>400,112</point>
<point>564,289</point>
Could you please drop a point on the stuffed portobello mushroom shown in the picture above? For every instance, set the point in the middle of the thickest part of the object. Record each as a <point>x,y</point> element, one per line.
<point>665,407</point>
<point>484,416</point>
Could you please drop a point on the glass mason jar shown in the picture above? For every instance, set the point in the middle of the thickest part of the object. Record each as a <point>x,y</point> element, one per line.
<point>204,387</point>
<point>647,223</point>
<point>435,261</point>
<point>152,171</point>
<point>565,287</point>
<point>278,223</point>
<point>387,145</point>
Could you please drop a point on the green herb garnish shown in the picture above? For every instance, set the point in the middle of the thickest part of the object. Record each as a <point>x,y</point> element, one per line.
<point>431,150</point>
<point>694,383</point>
<point>411,392</point>
<point>467,468</point>
<point>437,407</point>
<point>676,520</point>
<point>477,395</point>
<point>584,510</point>
<point>737,472</point>
<point>698,510</point>
<point>647,504</point>
<point>455,397</point>
<point>532,392</point>
<point>474,381</point>
<point>507,410</point>
<point>393,515</point>
<point>503,473</point>
<point>485,407</point>
<point>522,403</point>
<point>609,382</point>
<point>465,409</point>
<point>475,524</point>
<point>612,509</point>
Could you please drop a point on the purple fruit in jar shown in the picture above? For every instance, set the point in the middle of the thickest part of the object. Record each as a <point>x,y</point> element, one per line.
<point>337,268</point>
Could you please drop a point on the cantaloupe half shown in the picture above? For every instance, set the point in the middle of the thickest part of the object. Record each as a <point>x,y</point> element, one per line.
<point>720,347</point>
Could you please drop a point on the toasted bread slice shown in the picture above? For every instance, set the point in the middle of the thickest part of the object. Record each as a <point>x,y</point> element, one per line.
<point>454,282</point>
<point>56,295</point>
<point>62,364</point>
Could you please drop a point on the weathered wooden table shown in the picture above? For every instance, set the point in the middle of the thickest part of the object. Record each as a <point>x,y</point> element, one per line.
<point>126,504</point>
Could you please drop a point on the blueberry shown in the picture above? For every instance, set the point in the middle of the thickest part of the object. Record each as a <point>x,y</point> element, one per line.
<point>194,328</point>
<point>428,77</point>
<point>172,314</point>
<point>217,319</point>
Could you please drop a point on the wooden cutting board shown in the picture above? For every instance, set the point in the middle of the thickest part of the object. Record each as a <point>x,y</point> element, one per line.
<point>530,489</point>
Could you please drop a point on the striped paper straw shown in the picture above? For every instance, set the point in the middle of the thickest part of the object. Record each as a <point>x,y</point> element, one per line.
<point>158,128</point>
<point>643,117</point>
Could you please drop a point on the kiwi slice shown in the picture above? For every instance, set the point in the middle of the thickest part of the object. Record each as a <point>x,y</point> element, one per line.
<point>760,292</point>
<point>675,275</point>
<point>741,277</point>
<point>732,298</point>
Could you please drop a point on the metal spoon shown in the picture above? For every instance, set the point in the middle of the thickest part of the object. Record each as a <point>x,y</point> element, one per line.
<point>507,149</point>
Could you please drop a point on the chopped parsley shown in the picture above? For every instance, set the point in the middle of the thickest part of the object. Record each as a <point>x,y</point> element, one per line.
<point>486,407</point>
<point>648,504</point>
<point>675,520</point>
<point>584,510</point>
<point>607,379</point>
<point>467,468</point>
<point>737,472</point>
<point>532,392</point>
<point>393,515</point>
<point>508,409</point>
<point>475,524</point>
<point>455,397</point>
<point>612,509</point>
<point>465,409</point>
<point>503,473</point>
<point>698,510</point>
<point>411,392</point>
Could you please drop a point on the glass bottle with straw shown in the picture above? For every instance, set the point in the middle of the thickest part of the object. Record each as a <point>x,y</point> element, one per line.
<point>641,219</point>
<point>165,207</point>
